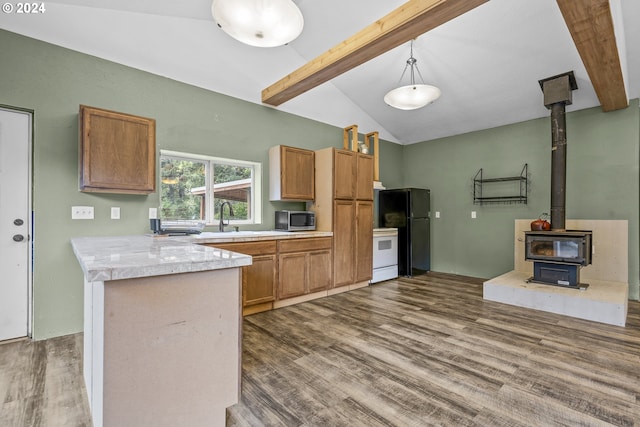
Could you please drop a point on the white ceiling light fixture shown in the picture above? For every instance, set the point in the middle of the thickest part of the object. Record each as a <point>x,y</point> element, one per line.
<point>260,23</point>
<point>412,96</point>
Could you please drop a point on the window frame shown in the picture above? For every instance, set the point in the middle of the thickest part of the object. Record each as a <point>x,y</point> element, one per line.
<point>256,183</point>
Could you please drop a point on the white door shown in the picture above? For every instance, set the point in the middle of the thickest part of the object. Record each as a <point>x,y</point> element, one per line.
<point>15,222</point>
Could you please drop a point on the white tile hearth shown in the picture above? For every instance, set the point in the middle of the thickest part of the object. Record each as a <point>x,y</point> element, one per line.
<point>602,301</point>
<point>605,299</point>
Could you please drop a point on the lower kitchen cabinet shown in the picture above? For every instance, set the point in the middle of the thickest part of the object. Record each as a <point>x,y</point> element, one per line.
<point>319,270</point>
<point>304,266</point>
<point>258,279</point>
<point>283,269</point>
<point>292,278</point>
<point>364,241</point>
<point>353,240</point>
<point>344,212</point>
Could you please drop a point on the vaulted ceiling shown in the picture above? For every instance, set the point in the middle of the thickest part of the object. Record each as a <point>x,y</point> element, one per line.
<point>487,61</point>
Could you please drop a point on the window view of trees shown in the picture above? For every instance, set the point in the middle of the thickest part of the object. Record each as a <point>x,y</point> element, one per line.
<point>230,185</point>
<point>184,193</point>
<point>178,179</point>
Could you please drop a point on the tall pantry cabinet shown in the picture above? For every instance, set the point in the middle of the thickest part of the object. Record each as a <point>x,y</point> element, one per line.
<point>344,205</point>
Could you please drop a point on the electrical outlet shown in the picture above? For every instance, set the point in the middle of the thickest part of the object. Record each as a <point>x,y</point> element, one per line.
<point>153,213</point>
<point>81,212</point>
<point>473,214</point>
<point>115,212</point>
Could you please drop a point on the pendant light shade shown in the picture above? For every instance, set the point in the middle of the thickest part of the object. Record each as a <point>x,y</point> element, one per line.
<point>261,23</point>
<point>412,96</point>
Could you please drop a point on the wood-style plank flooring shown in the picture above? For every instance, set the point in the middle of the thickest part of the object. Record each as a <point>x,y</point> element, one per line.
<point>430,351</point>
<point>41,383</point>
<point>415,351</point>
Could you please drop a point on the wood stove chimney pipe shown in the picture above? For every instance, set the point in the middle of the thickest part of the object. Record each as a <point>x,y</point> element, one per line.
<point>557,94</point>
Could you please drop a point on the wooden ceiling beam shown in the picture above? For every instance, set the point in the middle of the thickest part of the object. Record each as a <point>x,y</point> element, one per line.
<point>405,23</point>
<point>591,26</point>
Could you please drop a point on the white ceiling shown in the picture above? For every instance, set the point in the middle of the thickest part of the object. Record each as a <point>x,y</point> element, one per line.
<point>487,62</point>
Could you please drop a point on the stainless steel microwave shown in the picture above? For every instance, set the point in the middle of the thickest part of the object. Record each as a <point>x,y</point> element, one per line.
<point>295,220</point>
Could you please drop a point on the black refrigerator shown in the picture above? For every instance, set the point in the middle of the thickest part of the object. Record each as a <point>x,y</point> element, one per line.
<point>408,210</point>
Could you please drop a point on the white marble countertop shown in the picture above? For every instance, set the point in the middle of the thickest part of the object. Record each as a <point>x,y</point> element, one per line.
<point>126,257</point>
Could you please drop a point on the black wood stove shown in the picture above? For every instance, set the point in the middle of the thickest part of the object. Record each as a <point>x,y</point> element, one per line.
<point>558,256</point>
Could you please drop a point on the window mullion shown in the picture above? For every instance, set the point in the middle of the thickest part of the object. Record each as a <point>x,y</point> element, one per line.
<point>210,194</point>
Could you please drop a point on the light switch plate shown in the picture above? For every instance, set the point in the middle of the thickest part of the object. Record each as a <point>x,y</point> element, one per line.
<point>473,214</point>
<point>115,212</point>
<point>437,214</point>
<point>81,212</point>
<point>153,213</point>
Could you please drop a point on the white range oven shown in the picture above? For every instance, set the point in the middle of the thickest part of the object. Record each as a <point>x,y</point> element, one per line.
<point>385,254</point>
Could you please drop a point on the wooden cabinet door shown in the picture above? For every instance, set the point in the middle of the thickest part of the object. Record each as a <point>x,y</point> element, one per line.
<point>364,241</point>
<point>292,275</point>
<point>297,173</point>
<point>291,173</point>
<point>117,152</point>
<point>319,271</point>
<point>343,242</point>
<point>259,278</point>
<point>364,186</point>
<point>344,174</point>
<point>304,266</point>
<point>259,281</point>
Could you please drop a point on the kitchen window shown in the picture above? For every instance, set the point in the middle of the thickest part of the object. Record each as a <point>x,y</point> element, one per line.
<point>194,186</point>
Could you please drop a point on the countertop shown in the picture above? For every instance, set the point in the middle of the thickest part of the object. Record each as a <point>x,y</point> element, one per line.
<point>126,257</point>
<point>250,236</point>
<point>381,232</point>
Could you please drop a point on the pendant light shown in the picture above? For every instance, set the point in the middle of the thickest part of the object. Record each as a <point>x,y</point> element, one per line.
<point>412,96</point>
<point>260,23</point>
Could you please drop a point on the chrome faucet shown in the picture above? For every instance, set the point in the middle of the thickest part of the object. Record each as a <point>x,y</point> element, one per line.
<point>221,223</point>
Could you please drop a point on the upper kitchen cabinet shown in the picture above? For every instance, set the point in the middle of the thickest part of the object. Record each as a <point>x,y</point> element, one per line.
<point>344,174</point>
<point>117,152</point>
<point>291,173</point>
<point>353,175</point>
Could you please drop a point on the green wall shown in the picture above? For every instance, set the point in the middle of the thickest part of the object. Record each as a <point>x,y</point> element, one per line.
<point>53,82</point>
<point>602,183</point>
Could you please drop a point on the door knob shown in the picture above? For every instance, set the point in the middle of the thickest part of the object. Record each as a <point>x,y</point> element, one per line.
<point>18,221</point>
<point>18,238</point>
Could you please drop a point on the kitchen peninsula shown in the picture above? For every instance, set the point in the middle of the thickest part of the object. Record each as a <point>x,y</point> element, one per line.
<point>162,330</point>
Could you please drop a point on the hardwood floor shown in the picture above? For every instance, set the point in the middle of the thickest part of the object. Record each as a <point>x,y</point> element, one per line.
<point>430,351</point>
<point>41,383</point>
<point>411,352</point>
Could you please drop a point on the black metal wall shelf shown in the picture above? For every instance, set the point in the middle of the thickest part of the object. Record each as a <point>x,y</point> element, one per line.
<point>522,181</point>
